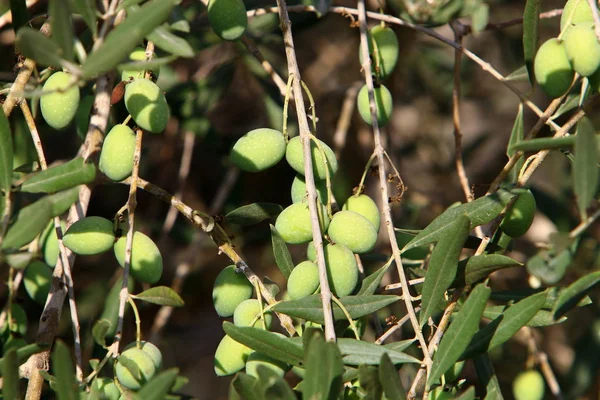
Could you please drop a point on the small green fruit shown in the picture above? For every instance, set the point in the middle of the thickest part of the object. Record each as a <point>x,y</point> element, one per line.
<point>228,18</point>
<point>294,226</point>
<point>520,216</point>
<point>552,68</point>
<point>89,236</point>
<point>229,290</point>
<point>147,105</point>
<point>105,388</point>
<point>59,107</point>
<point>37,280</point>
<point>342,270</point>
<point>230,357</point>
<point>146,260</point>
<point>151,350</point>
<point>529,385</point>
<point>582,48</point>
<point>248,311</point>
<point>384,50</point>
<point>303,281</point>
<point>365,206</point>
<point>383,101</point>
<point>138,54</point>
<point>255,359</point>
<point>311,252</point>
<point>578,10</point>
<point>299,190</point>
<point>19,320</point>
<point>134,368</point>
<point>258,150</point>
<point>49,241</point>
<point>354,231</point>
<point>116,158</point>
<point>295,157</point>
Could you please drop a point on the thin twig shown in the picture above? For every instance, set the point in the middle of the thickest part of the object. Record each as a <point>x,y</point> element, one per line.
<point>579,229</point>
<point>594,7</point>
<point>343,123</point>
<point>255,51</point>
<point>542,359</point>
<point>394,328</point>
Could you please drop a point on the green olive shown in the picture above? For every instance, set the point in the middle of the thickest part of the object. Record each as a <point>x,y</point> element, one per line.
<point>354,231</point>
<point>228,18</point>
<point>294,225</point>
<point>116,158</point>
<point>303,281</point>
<point>105,388</point>
<point>49,242</point>
<point>138,54</point>
<point>229,290</point>
<point>147,105</point>
<point>342,270</point>
<point>146,260</point>
<point>383,101</point>
<point>383,49</point>
<point>89,236</point>
<point>151,350</point>
<point>37,280</point>
<point>256,358</point>
<point>365,206</point>
<point>311,252</point>
<point>248,311</point>
<point>299,190</point>
<point>529,385</point>
<point>59,107</point>
<point>134,368</point>
<point>520,216</point>
<point>230,357</point>
<point>578,11</point>
<point>258,150</point>
<point>295,157</point>
<point>582,48</point>
<point>552,68</point>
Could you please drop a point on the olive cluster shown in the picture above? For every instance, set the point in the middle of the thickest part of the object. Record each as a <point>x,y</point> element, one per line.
<point>575,50</point>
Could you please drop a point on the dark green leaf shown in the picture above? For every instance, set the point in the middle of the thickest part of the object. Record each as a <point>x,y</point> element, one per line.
<point>38,47</point>
<point>356,352</point>
<point>389,379</point>
<point>6,155</point>
<point>547,143</point>
<point>246,386</point>
<point>266,342</point>
<point>531,18</point>
<point>516,137</point>
<point>253,213</point>
<point>62,367</point>
<point>371,283</point>
<point>61,201</point>
<point>25,352</point>
<point>61,27</point>
<point>10,375</point>
<point>442,266</point>
<point>572,101</point>
<point>60,177</point>
<point>273,386</point>
<point>541,318</point>
<point>311,309</point>
<point>161,295</point>
<point>487,376</point>
<point>125,37</point>
<point>477,268</point>
<point>507,296</point>
<point>170,42</point>
<point>87,10</point>
<point>551,267</point>
<point>459,333</point>
<point>128,3</point>
<point>30,221</point>
<point>369,381</point>
<point>468,394</point>
<point>180,382</point>
<point>283,259</point>
<point>324,368</point>
<point>146,64</point>
<point>20,15</point>
<point>158,386</point>
<point>504,327</point>
<point>100,331</point>
<point>520,74</point>
<point>177,21</point>
<point>400,345</point>
<point>571,296</point>
<point>585,170</point>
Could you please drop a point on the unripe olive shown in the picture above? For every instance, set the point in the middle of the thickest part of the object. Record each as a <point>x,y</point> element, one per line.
<point>342,270</point>
<point>258,150</point>
<point>230,356</point>
<point>146,260</point>
<point>147,105</point>
<point>138,54</point>
<point>105,388</point>
<point>529,385</point>
<point>311,252</point>
<point>577,11</point>
<point>294,226</point>
<point>299,190</point>
<point>365,206</point>
<point>383,101</point>
<point>256,358</point>
<point>295,157</point>
<point>228,18</point>
<point>552,68</point>
<point>116,158</point>
<point>37,280</point>
<point>353,230</point>
<point>90,235</point>
<point>582,48</point>
<point>134,368</point>
<point>520,216</point>
<point>303,281</point>
<point>248,311</point>
<point>59,107</point>
<point>229,290</point>
<point>151,350</point>
<point>19,320</point>
<point>49,242</point>
<point>383,49</point>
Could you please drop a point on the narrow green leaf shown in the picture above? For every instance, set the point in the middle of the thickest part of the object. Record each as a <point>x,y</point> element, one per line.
<point>146,64</point>
<point>161,295</point>
<point>369,381</point>
<point>125,37</point>
<point>253,213</point>
<point>282,255</point>
<point>100,331</point>
<point>549,266</point>
<point>324,369</point>
<point>177,21</point>
<point>20,15</point>
<point>389,379</point>
<point>371,283</point>
<point>180,382</point>
<point>531,18</point>
<point>356,352</point>
<point>516,137</point>
<point>158,387</point>
<point>111,305</point>
<point>468,394</point>
<point>547,143</point>
<point>541,318</point>
<point>37,46</point>
<point>459,333</point>
<point>311,309</point>
<point>246,386</point>
<point>487,376</point>
<point>30,221</point>
<point>25,352</point>
<point>266,342</point>
<point>518,75</point>
<point>400,345</point>
<point>585,169</point>
<point>61,27</point>
<point>61,201</point>
<point>480,17</point>
<point>170,42</point>
<point>10,375</point>
<point>60,177</point>
<point>477,268</point>
<point>127,4</point>
<point>505,326</point>
<point>274,387</point>
<point>6,155</point>
<point>572,101</point>
<point>87,10</point>
<point>572,295</point>
<point>442,266</point>
<point>62,367</point>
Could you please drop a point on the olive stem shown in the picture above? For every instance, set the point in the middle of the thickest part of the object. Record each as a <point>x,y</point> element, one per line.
<point>347,315</point>
<point>138,322</point>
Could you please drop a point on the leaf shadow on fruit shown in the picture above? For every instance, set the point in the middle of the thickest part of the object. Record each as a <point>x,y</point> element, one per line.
<point>149,112</point>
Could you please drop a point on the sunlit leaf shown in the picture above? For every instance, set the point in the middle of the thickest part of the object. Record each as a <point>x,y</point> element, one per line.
<point>61,27</point>
<point>161,295</point>
<point>356,352</point>
<point>38,47</point>
<point>531,17</point>
<point>253,213</point>
<point>60,177</point>
<point>31,220</point>
<point>324,368</point>
<point>390,380</point>
<point>158,387</point>
<point>62,367</point>
<point>585,168</point>
<point>571,296</point>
